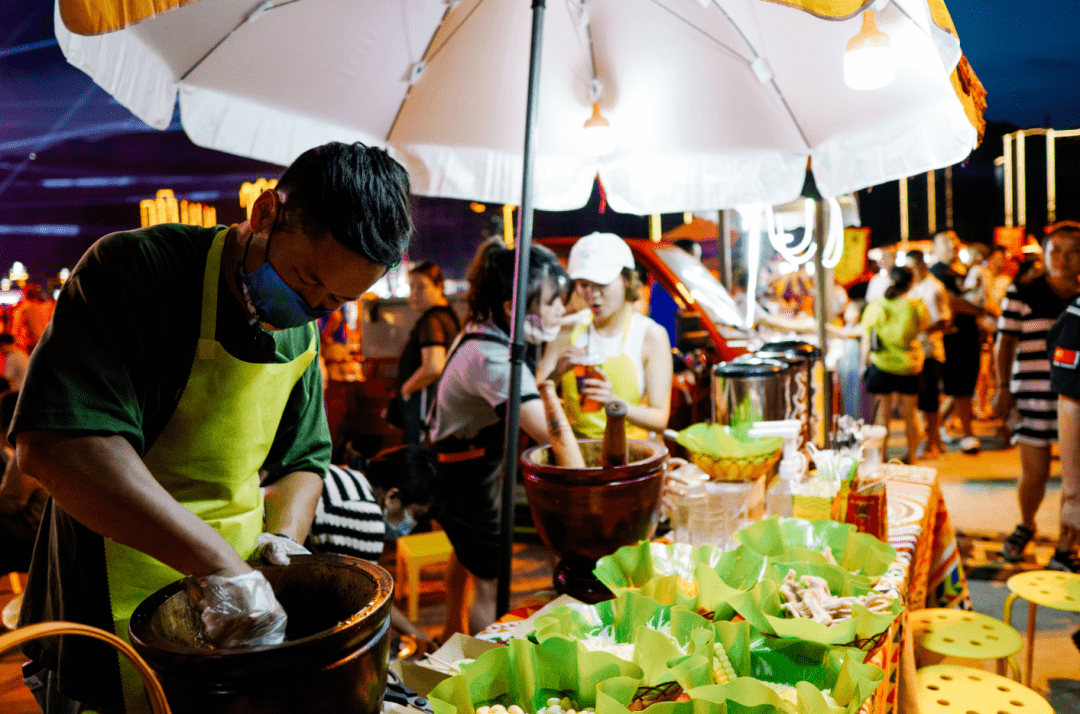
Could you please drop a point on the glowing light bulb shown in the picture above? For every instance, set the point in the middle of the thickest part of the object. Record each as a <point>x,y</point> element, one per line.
<point>869,62</point>
<point>597,139</point>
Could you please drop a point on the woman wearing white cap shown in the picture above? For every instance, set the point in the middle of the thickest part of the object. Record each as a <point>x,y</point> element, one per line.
<point>632,354</point>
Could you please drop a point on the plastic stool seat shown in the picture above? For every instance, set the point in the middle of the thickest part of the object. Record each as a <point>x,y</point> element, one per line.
<point>952,689</point>
<point>971,635</point>
<point>1049,588</point>
<point>413,553</point>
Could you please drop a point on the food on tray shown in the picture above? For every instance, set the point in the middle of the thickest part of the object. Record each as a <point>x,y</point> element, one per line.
<point>789,696</point>
<point>645,697</point>
<point>555,705</point>
<point>808,596</point>
<point>723,672</point>
<point>433,661</point>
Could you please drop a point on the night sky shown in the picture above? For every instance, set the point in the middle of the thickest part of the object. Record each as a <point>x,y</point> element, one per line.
<point>74,164</point>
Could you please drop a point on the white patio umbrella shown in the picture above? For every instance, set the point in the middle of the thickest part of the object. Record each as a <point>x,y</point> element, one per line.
<point>712,103</point>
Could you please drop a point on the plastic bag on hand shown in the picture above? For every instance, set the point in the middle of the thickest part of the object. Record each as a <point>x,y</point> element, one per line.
<point>275,549</point>
<point>237,611</point>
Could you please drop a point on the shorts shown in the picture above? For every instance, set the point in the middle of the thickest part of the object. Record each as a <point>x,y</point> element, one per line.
<point>960,370</point>
<point>1038,421</point>
<point>469,512</point>
<point>930,386</point>
<point>881,382</point>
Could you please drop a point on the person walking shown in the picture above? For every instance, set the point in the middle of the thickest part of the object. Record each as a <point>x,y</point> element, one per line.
<point>960,370</point>
<point>932,293</point>
<point>893,356</point>
<point>1028,312</point>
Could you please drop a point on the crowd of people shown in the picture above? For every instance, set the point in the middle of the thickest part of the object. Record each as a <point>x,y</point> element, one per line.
<point>952,342</point>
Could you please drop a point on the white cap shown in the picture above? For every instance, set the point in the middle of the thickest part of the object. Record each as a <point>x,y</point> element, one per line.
<point>599,258</point>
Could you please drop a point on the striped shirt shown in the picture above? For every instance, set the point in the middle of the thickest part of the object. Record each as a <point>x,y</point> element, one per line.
<point>1027,313</point>
<point>348,520</point>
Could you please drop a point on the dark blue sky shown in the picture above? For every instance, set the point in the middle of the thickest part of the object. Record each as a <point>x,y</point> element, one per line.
<point>1027,54</point>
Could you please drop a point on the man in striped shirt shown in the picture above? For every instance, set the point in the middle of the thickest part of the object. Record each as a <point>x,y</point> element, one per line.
<point>1023,370</point>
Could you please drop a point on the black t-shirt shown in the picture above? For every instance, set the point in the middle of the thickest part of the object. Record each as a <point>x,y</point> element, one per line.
<point>114,360</point>
<point>966,326</point>
<point>437,327</point>
<point>1063,348</point>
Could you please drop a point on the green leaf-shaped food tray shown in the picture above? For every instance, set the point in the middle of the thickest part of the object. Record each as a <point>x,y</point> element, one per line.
<point>797,539</point>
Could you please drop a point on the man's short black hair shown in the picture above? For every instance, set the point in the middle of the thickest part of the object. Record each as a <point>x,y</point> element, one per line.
<point>357,193</point>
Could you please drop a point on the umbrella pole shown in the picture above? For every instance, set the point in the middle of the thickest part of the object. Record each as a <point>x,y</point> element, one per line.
<point>821,312</point>
<point>517,337</point>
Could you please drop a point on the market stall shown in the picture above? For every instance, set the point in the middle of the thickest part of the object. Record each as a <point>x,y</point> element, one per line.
<point>925,568</point>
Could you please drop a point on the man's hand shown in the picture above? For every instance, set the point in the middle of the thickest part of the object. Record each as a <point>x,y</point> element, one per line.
<point>237,610</point>
<point>273,549</point>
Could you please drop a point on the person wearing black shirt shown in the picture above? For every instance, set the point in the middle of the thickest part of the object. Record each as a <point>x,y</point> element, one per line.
<point>960,370</point>
<point>424,356</point>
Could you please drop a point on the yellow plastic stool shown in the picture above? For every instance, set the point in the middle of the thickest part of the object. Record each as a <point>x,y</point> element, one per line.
<point>952,689</point>
<point>971,635</point>
<point>1049,588</point>
<point>413,553</point>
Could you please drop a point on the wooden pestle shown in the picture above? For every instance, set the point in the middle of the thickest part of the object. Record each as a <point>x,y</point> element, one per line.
<point>615,451</point>
<point>564,447</point>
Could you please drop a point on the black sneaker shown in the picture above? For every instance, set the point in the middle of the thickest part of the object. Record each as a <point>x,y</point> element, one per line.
<point>1012,550</point>
<point>1067,562</point>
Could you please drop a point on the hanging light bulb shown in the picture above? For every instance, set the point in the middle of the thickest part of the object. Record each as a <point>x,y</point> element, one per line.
<point>869,62</point>
<point>597,139</point>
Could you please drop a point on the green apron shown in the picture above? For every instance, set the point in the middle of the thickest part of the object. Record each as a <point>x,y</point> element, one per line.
<point>208,457</point>
<point>622,372</point>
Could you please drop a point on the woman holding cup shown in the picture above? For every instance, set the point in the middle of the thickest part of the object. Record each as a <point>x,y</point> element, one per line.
<point>614,352</point>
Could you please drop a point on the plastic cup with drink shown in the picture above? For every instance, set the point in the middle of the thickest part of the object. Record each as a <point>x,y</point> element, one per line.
<point>586,367</point>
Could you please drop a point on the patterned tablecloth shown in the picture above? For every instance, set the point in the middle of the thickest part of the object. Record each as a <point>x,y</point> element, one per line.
<point>927,569</point>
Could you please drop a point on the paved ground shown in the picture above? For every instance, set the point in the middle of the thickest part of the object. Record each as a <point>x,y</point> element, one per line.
<point>980,493</point>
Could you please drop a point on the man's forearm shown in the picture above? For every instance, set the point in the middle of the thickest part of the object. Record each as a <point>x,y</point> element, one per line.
<point>101,482</point>
<point>290,504</point>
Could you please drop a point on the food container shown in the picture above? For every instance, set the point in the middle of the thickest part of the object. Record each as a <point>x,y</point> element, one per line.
<point>761,385</point>
<point>805,361</point>
<point>334,659</point>
<point>584,514</point>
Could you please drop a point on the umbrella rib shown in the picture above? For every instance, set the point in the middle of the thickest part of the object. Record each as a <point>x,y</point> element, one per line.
<point>227,35</point>
<point>772,79</point>
<point>706,34</point>
<point>452,32</point>
<point>429,54</point>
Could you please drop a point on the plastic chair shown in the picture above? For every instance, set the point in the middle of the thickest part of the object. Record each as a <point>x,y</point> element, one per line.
<point>413,553</point>
<point>970,635</point>
<point>1049,588</point>
<point>950,688</point>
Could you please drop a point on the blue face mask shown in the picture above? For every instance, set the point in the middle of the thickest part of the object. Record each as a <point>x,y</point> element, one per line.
<point>272,300</point>
<point>403,528</point>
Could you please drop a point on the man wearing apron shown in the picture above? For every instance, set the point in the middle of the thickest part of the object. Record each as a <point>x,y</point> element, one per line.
<point>180,360</point>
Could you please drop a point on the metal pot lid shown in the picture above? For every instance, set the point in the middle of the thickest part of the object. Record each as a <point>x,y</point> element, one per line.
<point>750,366</point>
<point>793,348</point>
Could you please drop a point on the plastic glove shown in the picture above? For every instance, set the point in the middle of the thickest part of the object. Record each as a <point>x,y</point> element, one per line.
<point>275,549</point>
<point>237,611</point>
